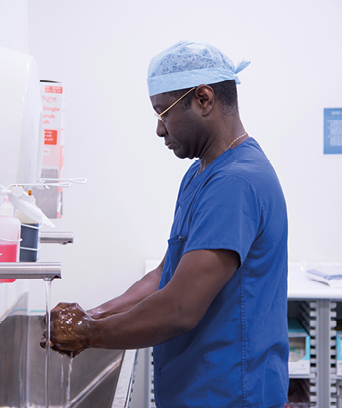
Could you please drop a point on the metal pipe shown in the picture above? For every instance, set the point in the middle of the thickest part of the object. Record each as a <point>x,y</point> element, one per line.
<point>30,270</point>
<point>115,365</point>
<point>52,237</point>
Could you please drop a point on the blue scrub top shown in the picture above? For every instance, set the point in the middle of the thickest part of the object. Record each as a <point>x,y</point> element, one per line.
<point>237,356</point>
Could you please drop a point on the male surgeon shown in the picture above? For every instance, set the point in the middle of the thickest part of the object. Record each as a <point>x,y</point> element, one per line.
<point>215,309</point>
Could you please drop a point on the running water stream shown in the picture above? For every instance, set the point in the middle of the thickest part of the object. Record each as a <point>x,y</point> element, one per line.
<point>65,399</point>
<point>47,347</point>
<point>68,388</point>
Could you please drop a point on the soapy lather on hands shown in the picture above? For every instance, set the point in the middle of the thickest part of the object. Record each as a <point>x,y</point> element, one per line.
<point>70,327</point>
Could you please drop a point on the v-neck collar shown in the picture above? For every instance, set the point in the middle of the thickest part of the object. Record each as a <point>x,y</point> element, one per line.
<point>196,179</point>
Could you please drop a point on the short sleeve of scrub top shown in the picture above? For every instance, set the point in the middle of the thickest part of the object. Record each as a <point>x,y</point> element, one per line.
<point>226,215</point>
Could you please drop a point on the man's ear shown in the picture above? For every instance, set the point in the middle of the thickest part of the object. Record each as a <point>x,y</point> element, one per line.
<point>205,98</point>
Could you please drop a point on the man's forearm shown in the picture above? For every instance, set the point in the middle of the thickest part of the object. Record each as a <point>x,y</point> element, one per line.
<point>153,321</point>
<point>135,294</point>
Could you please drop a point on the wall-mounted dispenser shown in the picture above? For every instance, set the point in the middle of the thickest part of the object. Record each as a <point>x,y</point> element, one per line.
<point>21,130</point>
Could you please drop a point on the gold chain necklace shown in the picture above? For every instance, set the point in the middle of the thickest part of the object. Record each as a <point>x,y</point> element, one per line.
<point>200,171</point>
<point>236,140</point>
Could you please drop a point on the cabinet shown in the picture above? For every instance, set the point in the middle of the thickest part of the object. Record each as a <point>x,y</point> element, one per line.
<point>318,307</point>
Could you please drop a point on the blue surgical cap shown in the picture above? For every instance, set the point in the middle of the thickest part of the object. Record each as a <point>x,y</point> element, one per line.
<point>188,64</point>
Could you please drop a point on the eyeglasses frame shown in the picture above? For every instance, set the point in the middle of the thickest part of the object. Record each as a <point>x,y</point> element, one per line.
<point>159,115</point>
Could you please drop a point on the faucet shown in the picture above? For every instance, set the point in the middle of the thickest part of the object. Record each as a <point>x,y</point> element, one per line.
<point>30,270</point>
<point>38,270</point>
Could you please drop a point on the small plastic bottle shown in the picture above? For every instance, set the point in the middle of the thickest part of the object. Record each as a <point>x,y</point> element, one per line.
<point>9,235</point>
<point>29,235</point>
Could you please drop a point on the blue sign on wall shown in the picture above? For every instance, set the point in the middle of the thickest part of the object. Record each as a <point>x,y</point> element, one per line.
<point>333,131</point>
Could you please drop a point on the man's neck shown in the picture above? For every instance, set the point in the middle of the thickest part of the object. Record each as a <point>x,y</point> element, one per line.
<point>226,137</point>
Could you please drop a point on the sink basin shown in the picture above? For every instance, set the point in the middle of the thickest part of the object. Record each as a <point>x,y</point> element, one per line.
<point>99,378</point>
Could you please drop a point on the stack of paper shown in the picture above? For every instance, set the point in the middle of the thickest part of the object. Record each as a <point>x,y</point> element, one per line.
<point>329,273</point>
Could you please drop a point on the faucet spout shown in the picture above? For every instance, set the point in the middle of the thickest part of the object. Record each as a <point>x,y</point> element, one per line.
<point>30,270</point>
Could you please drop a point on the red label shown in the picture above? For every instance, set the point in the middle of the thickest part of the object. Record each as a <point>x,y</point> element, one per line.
<point>50,137</point>
<point>53,89</point>
<point>8,253</point>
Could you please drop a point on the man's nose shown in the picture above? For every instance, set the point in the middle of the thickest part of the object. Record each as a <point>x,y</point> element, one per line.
<point>161,129</point>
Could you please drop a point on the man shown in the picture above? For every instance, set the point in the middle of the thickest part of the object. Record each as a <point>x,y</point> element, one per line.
<point>215,309</point>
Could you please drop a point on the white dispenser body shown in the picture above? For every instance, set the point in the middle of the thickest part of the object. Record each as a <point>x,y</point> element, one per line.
<point>21,127</point>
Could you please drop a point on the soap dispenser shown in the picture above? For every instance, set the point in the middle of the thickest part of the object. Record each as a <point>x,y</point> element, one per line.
<point>9,235</point>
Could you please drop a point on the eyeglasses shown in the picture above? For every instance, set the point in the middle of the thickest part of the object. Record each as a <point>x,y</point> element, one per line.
<point>160,116</point>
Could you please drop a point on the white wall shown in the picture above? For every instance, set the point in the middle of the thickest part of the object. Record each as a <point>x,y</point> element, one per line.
<point>101,51</point>
<point>14,24</point>
<point>14,35</point>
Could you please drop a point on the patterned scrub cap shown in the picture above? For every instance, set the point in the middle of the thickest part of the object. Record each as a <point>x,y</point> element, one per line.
<point>188,64</point>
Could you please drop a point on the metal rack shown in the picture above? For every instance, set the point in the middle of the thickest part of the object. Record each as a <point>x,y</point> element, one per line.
<point>318,317</point>
<point>335,377</point>
<point>316,309</point>
<point>151,403</point>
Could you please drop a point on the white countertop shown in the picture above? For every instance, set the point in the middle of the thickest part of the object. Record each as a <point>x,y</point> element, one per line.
<point>300,286</point>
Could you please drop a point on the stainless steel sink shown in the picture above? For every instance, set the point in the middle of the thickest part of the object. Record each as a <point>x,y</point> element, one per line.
<point>99,378</point>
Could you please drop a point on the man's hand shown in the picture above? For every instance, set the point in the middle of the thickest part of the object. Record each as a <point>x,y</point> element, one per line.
<point>71,327</point>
